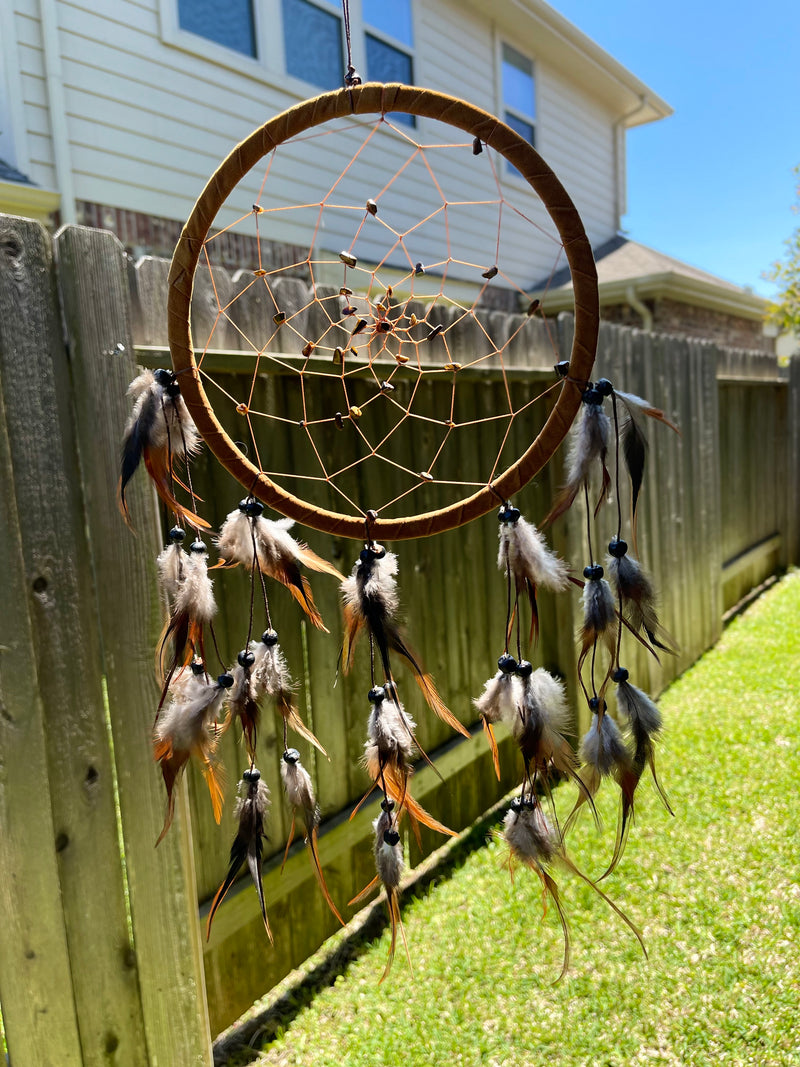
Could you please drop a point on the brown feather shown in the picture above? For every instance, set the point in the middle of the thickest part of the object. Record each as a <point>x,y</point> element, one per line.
<point>156,461</point>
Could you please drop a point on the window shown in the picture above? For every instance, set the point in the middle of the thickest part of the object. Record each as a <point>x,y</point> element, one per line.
<point>388,41</point>
<point>230,25</point>
<point>313,40</point>
<point>519,103</point>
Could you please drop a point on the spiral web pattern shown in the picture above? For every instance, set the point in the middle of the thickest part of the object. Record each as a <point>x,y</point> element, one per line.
<point>374,352</point>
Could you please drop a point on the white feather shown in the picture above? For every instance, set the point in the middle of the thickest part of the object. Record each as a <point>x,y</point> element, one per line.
<point>603,748</point>
<point>171,563</point>
<point>639,709</point>
<point>375,581</point>
<point>195,594</point>
<point>390,729</point>
<point>545,699</point>
<point>260,800</point>
<point>588,442</point>
<point>599,609</point>
<point>299,787</point>
<point>388,858</point>
<point>530,835</point>
<point>526,551</point>
<point>193,709</point>
<point>269,674</point>
<point>235,540</point>
<point>500,699</point>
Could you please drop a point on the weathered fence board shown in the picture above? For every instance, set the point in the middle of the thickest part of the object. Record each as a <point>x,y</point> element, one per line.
<point>162,893</point>
<point>66,649</point>
<point>36,997</point>
<point>723,492</point>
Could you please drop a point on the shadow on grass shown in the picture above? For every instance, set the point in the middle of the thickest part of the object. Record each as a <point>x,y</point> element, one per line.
<point>241,1045</point>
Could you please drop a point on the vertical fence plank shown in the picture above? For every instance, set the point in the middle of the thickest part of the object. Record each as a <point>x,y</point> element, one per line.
<point>162,890</point>
<point>35,980</point>
<point>66,650</point>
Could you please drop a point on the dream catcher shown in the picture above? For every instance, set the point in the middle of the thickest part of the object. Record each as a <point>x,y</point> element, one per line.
<point>374,341</point>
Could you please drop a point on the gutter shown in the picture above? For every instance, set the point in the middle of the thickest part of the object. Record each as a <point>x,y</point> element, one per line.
<point>58,115</point>
<point>620,176</point>
<point>639,307</point>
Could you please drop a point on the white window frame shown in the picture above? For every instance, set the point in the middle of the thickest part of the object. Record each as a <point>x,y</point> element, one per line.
<point>510,175</point>
<point>269,65</point>
<point>387,39</point>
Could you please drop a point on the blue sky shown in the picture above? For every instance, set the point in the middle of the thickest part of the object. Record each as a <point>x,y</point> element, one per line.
<point>713,184</point>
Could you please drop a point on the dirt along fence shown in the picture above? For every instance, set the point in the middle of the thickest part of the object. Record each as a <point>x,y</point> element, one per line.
<point>102,955</point>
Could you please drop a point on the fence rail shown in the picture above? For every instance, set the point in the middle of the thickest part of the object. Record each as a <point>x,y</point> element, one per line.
<point>101,957</point>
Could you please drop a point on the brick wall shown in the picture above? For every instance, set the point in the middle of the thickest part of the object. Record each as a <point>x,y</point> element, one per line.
<point>687,320</point>
<point>149,235</point>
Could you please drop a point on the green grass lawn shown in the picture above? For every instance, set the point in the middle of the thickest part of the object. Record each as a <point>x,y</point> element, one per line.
<point>716,892</point>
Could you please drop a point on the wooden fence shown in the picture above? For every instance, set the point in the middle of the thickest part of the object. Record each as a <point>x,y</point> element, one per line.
<point>101,957</point>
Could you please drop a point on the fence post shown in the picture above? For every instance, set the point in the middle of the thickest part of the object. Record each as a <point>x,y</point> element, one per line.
<point>55,648</point>
<point>35,982</point>
<point>163,899</point>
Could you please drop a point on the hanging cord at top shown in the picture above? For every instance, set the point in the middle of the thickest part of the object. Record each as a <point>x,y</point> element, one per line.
<point>351,75</point>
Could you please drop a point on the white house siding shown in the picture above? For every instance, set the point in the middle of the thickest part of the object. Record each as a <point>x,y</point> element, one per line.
<point>148,123</point>
<point>38,149</point>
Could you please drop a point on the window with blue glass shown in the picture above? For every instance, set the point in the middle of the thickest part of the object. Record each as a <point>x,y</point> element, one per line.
<point>519,98</point>
<point>389,43</point>
<point>229,24</point>
<point>313,40</point>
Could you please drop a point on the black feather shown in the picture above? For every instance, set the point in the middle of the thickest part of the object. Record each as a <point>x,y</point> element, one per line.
<point>247,848</point>
<point>634,449</point>
<point>136,440</point>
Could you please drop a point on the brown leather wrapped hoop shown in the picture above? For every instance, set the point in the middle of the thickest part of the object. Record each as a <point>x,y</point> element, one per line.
<point>364,100</point>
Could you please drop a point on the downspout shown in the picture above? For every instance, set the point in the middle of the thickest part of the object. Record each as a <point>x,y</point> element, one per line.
<point>639,307</point>
<point>620,178</point>
<point>58,115</point>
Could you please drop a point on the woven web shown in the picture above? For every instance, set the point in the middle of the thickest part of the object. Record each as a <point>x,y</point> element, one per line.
<point>382,381</point>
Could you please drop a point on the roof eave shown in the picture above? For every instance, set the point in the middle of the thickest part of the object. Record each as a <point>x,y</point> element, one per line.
<point>679,287</point>
<point>561,39</point>
<point>29,201</point>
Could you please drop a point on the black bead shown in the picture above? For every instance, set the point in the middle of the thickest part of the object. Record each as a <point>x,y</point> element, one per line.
<point>198,667</point>
<point>619,675</point>
<point>516,805</point>
<point>593,573</point>
<point>162,376</point>
<point>243,504</point>
<point>371,551</point>
<point>524,669</point>
<point>391,837</point>
<point>377,694</point>
<point>591,396</point>
<point>604,387</point>
<point>246,658</point>
<point>291,756</point>
<point>252,774</point>
<point>387,805</point>
<point>508,514</point>
<point>176,535</point>
<point>594,704</point>
<point>198,547</point>
<point>529,803</point>
<point>173,390</point>
<point>507,664</point>
<point>225,681</point>
<point>253,509</point>
<point>270,638</point>
<point>617,548</point>
<point>562,368</point>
